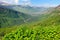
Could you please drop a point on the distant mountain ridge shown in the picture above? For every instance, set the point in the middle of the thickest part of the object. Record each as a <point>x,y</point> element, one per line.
<point>17,14</point>
<point>32,10</point>
<point>10,17</point>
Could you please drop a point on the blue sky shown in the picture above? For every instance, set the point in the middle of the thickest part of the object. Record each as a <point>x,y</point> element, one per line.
<point>46,3</point>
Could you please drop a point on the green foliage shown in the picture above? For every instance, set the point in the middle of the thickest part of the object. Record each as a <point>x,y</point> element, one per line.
<point>35,33</point>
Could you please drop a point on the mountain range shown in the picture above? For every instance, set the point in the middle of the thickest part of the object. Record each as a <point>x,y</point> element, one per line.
<point>9,17</point>
<point>12,16</point>
<point>32,10</point>
<point>17,14</point>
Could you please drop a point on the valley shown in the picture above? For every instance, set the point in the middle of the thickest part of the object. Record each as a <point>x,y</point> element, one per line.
<point>19,22</point>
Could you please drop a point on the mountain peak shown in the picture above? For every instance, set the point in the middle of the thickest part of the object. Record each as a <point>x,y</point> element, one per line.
<point>58,6</point>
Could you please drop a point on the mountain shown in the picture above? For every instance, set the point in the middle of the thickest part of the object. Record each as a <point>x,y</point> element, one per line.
<point>10,17</point>
<point>46,29</point>
<point>18,14</point>
<point>28,9</point>
<point>32,10</point>
<point>51,18</point>
<point>45,14</point>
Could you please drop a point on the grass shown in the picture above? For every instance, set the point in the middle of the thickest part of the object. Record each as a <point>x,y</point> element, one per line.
<point>4,31</point>
<point>34,32</point>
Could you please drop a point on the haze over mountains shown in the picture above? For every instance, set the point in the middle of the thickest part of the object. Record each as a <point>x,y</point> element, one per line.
<point>32,10</point>
<point>14,16</point>
<point>9,17</point>
<point>17,14</point>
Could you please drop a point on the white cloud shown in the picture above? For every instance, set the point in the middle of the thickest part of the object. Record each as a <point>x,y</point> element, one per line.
<point>46,5</point>
<point>11,1</point>
<point>26,2</point>
<point>49,5</point>
<point>16,1</point>
<point>4,0</point>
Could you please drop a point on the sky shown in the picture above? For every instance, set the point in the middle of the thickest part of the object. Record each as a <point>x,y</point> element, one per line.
<point>46,3</point>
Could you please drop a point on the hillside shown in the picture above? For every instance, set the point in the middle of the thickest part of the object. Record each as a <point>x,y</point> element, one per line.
<point>17,24</point>
<point>10,17</point>
<point>52,18</point>
<point>46,29</point>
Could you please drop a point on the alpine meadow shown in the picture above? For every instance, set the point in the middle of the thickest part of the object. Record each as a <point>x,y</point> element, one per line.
<point>29,20</point>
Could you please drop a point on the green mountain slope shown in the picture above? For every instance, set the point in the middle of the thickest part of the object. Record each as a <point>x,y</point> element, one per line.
<point>46,29</point>
<point>53,18</point>
<point>10,17</point>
